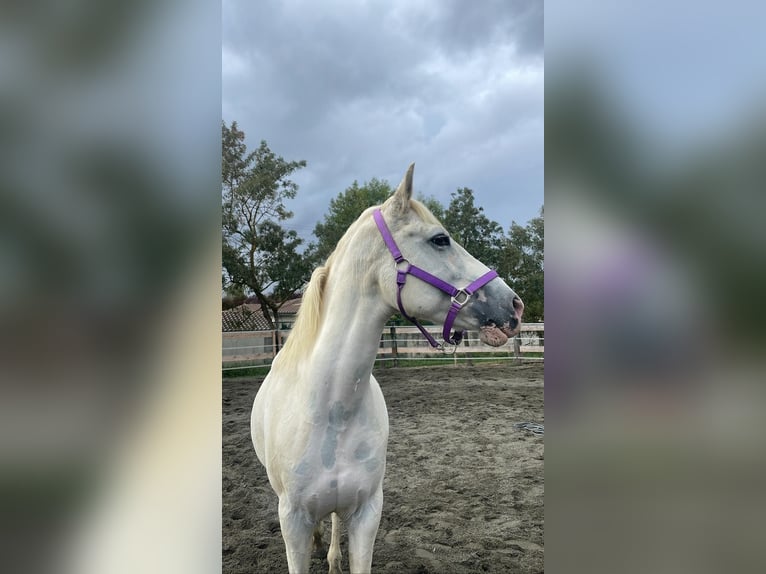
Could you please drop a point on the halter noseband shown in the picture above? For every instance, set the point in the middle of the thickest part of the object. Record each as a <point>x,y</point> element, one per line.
<point>459,296</point>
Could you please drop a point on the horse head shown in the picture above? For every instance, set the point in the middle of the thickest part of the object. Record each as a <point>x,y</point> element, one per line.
<point>448,281</point>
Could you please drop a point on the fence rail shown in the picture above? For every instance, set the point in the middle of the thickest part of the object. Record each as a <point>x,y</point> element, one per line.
<point>245,349</point>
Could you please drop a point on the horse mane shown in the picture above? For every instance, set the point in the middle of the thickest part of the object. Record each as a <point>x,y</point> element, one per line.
<point>305,331</point>
<point>423,212</point>
<point>301,339</point>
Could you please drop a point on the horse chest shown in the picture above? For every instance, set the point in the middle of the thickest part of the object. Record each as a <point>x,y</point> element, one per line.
<point>342,467</point>
<point>342,492</point>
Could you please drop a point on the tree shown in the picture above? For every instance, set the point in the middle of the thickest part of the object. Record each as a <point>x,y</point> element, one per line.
<point>344,210</point>
<point>433,205</point>
<point>521,264</point>
<point>466,222</point>
<point>258,254</point>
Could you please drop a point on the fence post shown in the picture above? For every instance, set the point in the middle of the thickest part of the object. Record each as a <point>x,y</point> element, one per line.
<point>394,349</point>
<point>517,348</point>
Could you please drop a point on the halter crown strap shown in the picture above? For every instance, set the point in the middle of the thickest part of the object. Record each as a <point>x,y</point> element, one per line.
<point>403,268</point>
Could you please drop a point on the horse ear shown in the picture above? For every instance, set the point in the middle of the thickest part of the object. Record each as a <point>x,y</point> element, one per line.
<point>403,193</point>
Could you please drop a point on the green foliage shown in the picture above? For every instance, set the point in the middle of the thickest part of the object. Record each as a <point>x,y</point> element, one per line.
<point>517,255</point>
<point>521,265</point>
<point>344,210</point>
<point>257,253</point>
<point>433,205</point>
<point>234,295</point>
<point>246,372</point>
<point>466,222</point>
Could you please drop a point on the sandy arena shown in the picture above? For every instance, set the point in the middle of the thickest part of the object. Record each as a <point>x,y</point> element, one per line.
<point>463,490</point>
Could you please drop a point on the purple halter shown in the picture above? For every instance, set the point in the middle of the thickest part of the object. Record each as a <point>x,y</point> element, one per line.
<point>459,296</point>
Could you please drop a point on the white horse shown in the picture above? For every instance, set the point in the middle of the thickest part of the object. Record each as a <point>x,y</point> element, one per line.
<point>319,422</point>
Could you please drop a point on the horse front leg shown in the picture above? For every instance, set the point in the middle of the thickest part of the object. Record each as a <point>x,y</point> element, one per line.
<point>362,529</point>
<point>297,532</point>
<point>334,556</point>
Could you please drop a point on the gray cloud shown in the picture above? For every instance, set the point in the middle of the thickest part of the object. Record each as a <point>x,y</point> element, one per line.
<point>361,89</point>
<point>519,22</point>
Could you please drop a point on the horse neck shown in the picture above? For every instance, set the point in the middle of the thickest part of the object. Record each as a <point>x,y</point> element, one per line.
<point>347,344</point>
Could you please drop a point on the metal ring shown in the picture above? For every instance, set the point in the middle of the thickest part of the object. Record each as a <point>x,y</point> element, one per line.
<point>444,346</point>
<point>464,301</point>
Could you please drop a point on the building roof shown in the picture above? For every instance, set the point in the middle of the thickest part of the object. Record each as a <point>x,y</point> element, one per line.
<point>291,307</point>
<point>248,316</point>
<point>243,319</point>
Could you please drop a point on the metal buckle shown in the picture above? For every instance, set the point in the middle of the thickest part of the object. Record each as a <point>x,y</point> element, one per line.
<point>464,301</point>
<point>445,345</point>
<point>400,262</point>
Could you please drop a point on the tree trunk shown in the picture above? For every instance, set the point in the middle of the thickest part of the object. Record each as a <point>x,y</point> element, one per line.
<point>277,329</point>
<point>265,309</point>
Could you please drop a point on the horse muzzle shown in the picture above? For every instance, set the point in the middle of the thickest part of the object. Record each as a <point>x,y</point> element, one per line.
<point>498,322</point>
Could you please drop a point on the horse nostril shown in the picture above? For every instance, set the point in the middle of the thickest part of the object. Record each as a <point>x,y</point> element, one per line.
<point>518,306</point>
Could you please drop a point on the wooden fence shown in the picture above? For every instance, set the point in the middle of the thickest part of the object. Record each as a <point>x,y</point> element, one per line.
<point>397,345</point>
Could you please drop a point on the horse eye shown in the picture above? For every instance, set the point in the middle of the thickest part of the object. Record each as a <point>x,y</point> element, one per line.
<point>440,240</point>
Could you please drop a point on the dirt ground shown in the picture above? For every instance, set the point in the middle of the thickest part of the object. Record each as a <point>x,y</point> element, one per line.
<point>463,490</point>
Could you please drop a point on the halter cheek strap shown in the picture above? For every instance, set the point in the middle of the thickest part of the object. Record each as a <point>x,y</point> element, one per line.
<point>459,297</point>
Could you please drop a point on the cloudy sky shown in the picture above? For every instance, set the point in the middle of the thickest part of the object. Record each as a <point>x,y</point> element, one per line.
<point>361,89</point>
